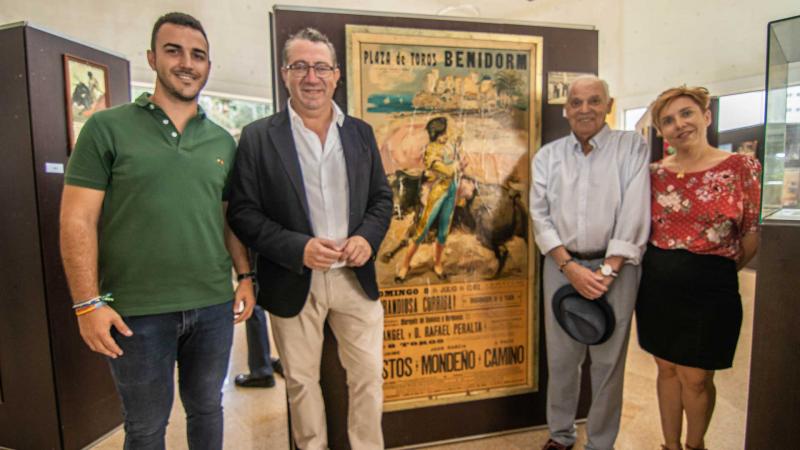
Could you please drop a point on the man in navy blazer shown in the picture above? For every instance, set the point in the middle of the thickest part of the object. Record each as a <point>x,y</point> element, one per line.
<point>309,194</point>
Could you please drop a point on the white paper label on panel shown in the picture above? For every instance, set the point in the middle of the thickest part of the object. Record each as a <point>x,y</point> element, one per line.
<point>53,168</point>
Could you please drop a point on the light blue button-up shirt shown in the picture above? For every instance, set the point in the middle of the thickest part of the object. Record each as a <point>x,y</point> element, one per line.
<point>325,177</point>
<point>594,202</point>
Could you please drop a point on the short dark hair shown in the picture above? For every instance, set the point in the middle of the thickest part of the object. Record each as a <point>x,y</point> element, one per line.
<point>308,34</point>
<point>176,18</point>
<point>436,127</point>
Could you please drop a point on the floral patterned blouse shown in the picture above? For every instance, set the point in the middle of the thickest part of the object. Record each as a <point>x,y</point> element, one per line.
<point>706,212</point>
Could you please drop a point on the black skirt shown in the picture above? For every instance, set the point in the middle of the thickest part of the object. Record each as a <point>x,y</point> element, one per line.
<point>689,311</point>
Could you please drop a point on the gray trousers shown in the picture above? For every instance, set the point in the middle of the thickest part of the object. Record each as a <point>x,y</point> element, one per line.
<point>565,356</point>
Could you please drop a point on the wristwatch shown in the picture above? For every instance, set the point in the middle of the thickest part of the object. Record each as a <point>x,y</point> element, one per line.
<point>607,271</point>
<point>242,276</point>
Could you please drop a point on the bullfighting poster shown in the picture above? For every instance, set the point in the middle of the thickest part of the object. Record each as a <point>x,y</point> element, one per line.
<point>86,85</point>
<point>456,117</point>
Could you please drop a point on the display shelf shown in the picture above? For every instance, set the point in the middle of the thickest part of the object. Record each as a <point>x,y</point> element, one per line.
<point>781,181</point>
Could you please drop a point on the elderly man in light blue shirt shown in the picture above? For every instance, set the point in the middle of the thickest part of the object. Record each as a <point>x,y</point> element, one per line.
<point>590,203</point>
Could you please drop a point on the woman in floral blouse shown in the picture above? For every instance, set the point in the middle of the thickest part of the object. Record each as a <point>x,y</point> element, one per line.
<point>705,206</point>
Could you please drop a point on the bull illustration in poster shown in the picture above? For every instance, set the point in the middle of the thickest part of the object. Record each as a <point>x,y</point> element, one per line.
<point>456,117</point>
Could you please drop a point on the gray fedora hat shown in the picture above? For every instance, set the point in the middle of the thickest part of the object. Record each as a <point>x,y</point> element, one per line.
<point>590,322</point>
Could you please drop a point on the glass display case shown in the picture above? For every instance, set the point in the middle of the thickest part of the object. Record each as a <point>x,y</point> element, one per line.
<point>781,183</point>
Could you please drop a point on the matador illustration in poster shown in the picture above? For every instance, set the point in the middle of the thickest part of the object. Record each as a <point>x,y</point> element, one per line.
<point>456,119</point>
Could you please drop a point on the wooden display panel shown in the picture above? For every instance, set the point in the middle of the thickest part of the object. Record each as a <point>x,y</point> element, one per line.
<point>28,418</point>
<point>56,392</point>
<point>774,392</point>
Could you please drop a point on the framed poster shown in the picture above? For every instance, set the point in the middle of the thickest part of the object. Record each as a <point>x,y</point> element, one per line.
<point>557,84</point>
<point>456,117</point>
<point>86,85</point>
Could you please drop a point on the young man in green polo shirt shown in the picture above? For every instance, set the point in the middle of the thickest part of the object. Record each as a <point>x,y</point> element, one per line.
<point>142,218</point>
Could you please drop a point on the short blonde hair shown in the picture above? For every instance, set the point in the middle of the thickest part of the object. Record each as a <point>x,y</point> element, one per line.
<point>699,95</point>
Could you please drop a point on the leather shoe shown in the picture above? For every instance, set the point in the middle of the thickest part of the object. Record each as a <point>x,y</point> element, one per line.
<point>553,445</point>
<point>248,380</point>
<point>277,367</point>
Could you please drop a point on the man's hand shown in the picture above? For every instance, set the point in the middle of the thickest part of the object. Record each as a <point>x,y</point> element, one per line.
<point>356,251</point>
<point>95,330</point>
<point>606,280</point>
<point>244,300</point>
<point>320,254</point>
<point>589,284</point>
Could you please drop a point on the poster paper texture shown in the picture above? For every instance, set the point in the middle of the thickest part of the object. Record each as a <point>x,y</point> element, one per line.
<point>456,118</point>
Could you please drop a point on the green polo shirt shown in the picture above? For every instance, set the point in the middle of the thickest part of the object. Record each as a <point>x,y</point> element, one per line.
<point>161,246</point>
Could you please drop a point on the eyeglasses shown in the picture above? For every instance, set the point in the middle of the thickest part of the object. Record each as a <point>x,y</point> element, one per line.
<point>301,68</point>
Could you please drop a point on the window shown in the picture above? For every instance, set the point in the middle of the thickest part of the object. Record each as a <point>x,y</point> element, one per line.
<point>632,116</point>
<point>231,112</point>
<point>741,110</point>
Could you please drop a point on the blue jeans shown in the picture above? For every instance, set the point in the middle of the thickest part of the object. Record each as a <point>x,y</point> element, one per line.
<point>259,359</point>
<point>200,341</point>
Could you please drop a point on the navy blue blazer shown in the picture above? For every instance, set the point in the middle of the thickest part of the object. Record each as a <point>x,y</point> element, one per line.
<point>268,209</point>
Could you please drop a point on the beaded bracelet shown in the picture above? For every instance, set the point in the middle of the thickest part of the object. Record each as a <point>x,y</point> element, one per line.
<point>89,309</point>
<point>99,298</point>
<point>92,304</point>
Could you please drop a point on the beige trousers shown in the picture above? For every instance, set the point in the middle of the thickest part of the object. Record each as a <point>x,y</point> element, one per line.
<point>357,323</point>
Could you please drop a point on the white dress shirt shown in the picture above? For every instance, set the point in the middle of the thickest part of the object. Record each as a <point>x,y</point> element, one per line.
<point>594,202</point>
<point>324,177</point>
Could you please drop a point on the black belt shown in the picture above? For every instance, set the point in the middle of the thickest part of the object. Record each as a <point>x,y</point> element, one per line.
<point>588,255</point>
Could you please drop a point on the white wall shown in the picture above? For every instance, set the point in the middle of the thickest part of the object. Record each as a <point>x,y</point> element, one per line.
<point>237,33</point>
<point>238,30</point>
<point>645,46</point>
<point>720,44</point>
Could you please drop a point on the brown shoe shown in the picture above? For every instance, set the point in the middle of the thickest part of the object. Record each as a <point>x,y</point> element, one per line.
<point>553,445</point>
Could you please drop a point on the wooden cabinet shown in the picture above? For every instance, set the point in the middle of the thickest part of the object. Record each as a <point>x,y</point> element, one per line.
<point>54,392</point>
<point>772,412</point>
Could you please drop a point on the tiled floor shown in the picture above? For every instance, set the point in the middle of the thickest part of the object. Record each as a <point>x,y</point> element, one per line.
<point>255,419</point>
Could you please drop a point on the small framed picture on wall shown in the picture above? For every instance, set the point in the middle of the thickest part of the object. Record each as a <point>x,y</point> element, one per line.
<point>86,84</point>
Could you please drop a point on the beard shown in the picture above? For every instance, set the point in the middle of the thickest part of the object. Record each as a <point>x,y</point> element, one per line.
<point>172,91</point>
